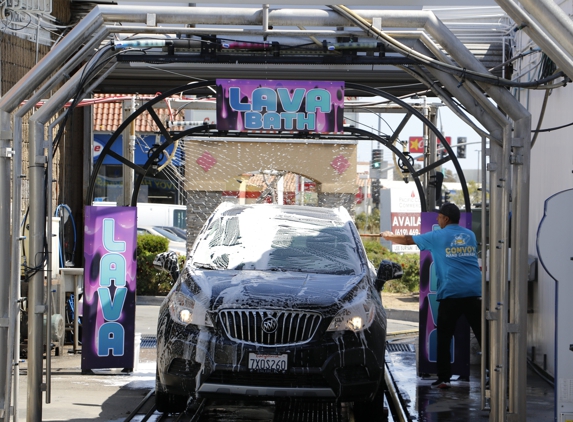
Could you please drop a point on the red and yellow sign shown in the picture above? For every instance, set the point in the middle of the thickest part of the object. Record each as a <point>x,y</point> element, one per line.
<point>416,144</point>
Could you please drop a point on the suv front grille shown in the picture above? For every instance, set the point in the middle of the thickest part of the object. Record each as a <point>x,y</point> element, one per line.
<point>269,327</point>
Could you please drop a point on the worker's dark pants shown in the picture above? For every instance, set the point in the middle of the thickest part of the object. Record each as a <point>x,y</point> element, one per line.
<point>449,311</point>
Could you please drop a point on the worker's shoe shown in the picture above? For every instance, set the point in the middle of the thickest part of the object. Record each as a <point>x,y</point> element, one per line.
<point>441,384</point>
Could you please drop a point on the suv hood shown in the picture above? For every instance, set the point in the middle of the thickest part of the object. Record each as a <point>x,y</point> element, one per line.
<point>254,289</point>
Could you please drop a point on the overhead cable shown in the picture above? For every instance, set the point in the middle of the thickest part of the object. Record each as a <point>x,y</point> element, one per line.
<point>429,61</point>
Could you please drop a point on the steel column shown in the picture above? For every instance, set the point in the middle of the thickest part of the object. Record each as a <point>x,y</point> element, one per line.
<point>5,353</point>
<point>36,307</point>
<point>498,277</point>
<point>562,58</point>
<point>37,215</point>
<point>521,146</point>
<point>553,20</point>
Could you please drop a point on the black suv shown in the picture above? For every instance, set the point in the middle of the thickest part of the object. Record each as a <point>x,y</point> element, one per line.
<point>274,302</point>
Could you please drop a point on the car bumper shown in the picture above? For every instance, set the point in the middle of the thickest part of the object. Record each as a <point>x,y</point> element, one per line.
<point>345,366</point>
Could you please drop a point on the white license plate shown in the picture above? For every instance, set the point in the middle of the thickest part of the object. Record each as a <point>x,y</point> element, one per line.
<point>267,363</point>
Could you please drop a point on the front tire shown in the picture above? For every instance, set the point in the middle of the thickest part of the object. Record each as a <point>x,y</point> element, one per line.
<point>170,403</point>
<point>371,410</point>
<point>167,402</point>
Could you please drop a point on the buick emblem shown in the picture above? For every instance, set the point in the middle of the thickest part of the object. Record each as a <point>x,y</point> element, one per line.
<point>270,325</point>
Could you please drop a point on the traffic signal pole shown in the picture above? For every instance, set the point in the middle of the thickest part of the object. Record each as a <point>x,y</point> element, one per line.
<point>375,175</point>
<point>430,158</point>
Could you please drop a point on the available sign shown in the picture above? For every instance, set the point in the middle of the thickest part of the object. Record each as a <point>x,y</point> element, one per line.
<point>280,106</point>
<point>108,326</point>
<point>405,215</point>
<point>405,223</point>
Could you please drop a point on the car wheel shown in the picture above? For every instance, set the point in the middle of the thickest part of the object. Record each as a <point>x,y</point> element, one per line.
<point>371,410</point>
<point>170,403</point>
<point>167,402</point>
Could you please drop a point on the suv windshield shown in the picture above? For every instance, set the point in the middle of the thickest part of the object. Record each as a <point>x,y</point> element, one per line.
<point>275,241</point>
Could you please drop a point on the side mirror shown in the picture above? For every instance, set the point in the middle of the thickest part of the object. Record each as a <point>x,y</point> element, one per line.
<point>167,261</point>
<point>388,270</point>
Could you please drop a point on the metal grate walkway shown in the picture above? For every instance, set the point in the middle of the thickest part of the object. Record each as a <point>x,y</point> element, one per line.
<point>308,411</point>
<point>148,342</point>
<point>400,347</point>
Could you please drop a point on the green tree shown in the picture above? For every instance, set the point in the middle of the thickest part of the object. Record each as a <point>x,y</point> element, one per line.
<point>151,281</point>
<point>473,190</point>
<point>449,176</point>
<point>368,223</point>
<point>360,221</point>
<point>410,281</point>
<point>374,221</point>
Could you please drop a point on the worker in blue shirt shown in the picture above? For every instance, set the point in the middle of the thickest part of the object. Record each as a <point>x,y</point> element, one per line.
<point>454,252</point>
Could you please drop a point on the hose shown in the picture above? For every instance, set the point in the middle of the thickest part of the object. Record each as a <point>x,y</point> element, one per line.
<point>59,210</point>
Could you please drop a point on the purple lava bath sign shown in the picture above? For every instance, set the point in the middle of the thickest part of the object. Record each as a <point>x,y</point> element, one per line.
<point>108,325</point>
<point>280,106</point>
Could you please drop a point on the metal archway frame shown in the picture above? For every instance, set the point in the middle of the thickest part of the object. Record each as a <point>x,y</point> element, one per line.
<point>511,157</point>
<point>170,138</point>
<point>147,107</point>
<point>148,164</point>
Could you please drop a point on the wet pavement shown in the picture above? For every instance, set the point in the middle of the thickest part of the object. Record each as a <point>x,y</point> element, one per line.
<point>111,395</point>
<point>461,402</point>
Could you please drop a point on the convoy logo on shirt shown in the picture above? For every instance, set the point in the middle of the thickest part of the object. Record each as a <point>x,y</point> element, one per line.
<point>460,247</point>
<point>461,239</point>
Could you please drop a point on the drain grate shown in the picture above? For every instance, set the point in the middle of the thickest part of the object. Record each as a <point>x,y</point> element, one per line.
<point>400,347</point>
<point>308,411</point>
<point>148,342</point>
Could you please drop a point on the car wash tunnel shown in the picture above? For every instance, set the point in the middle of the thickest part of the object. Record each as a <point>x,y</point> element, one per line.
<point>221,110</point>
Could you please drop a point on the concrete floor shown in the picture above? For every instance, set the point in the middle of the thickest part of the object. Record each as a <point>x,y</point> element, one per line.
<point>109,395</point>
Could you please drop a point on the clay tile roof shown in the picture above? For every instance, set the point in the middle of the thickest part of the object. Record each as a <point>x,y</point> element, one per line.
<point>108,115</point>
<point>289,182</point>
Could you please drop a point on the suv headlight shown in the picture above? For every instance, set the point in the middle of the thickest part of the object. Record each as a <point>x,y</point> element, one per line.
<point>186,310</point>
<point>356,316</point>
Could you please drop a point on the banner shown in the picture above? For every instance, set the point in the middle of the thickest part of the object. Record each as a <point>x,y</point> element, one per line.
<point>280,106</point>
<point>428,338</point>
<point>108,325</point>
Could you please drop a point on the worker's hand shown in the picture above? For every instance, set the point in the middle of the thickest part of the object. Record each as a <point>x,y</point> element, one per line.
<point>387,234</point>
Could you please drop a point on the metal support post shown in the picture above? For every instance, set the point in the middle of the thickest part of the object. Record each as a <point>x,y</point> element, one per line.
<point>38,161</point>
<point>5,355</point>
<point>14,330</point>
<point>128,139</point>
<point>36,308</point>
<point>498,306</point>
<point>485,252</point>
<point>431,137</point>
<point>521,146</point>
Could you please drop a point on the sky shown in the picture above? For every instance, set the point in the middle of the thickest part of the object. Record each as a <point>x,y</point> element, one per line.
<point>448,123</point>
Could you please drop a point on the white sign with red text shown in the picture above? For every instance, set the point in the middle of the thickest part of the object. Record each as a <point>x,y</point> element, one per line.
<point>405,215</point>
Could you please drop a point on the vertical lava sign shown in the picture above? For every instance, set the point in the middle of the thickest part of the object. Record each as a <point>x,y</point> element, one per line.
<point>280,106</point>
<point>108,325</point>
